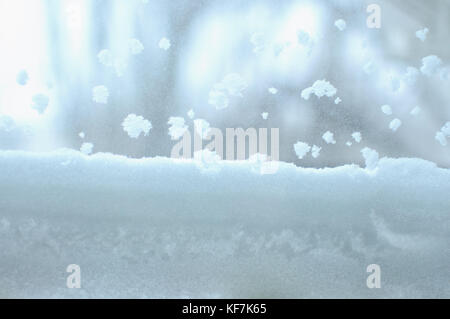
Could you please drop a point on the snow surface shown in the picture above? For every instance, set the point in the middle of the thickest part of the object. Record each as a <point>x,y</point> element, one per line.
<point>171,228</point>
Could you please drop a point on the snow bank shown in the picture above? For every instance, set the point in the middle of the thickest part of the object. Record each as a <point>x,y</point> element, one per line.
<point>172,228</point>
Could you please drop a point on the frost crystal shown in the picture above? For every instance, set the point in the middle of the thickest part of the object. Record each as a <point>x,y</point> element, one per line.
<point>100,94</point>
<point>422,34</point>
<point>415,111</point>
<point>386,109</point>
<point>202,127</point>
<point>430,65</point>
<point>273,90</point>
<point>357,137</point>
<point>371,157</point>
<point>395,124</point>
<point>135,125</point>
<point>265,115</point>
<point>22,77</point>
<point>315,151</point>
<point>177,127</point>
<point>86,148</point>
<point>340,24</point>
<point>329,137</point>
<point>301,149</point>
<point>191,114</point>
<point>40,102</point>
<point>320,88</point>
<point>105,57</point>
<point>7,123</point>
<point>136,47</point>
<point>164,44</point>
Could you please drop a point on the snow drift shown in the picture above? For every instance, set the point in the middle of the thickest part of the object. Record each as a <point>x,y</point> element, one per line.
<point>171,228</point>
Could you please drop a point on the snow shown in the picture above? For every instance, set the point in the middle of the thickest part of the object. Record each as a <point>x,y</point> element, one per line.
<point>386,109</point>
<point>164,44</point>
<point>319,88</point>
<point>136,47</point>
<point>328,137</point>
<point>301,149</point>
<point>100,94</point>
<point>357,137</point>
<point>202,127</point>
<point>371,157</point>
<point>191,114</point>
<point>167,228</point>
<point>136,125</point>
<point>82,135</point>
<point>40,102</point>
<point>340,24</point>
<point>22,77</point>
<point>395,124</point>
<point>337,100</point>
<point>86,148</point>
<point>177,127</point>
<point>218,98</point>
<point>265,115</point>
<point>430,65</point>
<point>422,34</point>
<point>273,90</point>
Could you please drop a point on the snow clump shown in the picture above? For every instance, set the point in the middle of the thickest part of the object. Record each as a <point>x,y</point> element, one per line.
<point>340,24</point>
<point>177,127</point>
<point>40,102</point>
<point>430,65</point>
<point>136,125</point>
<point>319,88</point>
<point>301,149</point>
<point>371,158</point>
<point>328,137</point>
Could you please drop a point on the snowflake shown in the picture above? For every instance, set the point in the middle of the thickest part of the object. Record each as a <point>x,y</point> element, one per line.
<point>315,151</point>
<point>273,90</point>
<point>264,115</point>
<point>340,24</point>
<point>100,94</point>
<point>135,125</point>
<point>395,124</point>
<point>320,88</point>
<point>136,47</point>
<point>22,77</point>
<point>422,34</point>
<point>328,137</point>
<point>191,114</point>
<point>386,109</point>
<point>357,137</point>
<point>202,127</point>
<point>177,127</point>
<point>86,148</point>
<point>164,44</point>
<point>105,57</point>
<point>301,149</point>
<point>40,102</point>
<point>7,123</point>
<point>430,65</point>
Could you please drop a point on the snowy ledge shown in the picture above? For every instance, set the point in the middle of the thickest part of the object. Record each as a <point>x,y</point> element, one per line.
<point>170,228</point>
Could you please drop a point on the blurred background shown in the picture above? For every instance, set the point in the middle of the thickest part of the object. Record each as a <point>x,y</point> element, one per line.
<point>57,43</point>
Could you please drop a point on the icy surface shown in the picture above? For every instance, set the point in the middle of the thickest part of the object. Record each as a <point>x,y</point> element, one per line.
<point>171,228</point>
